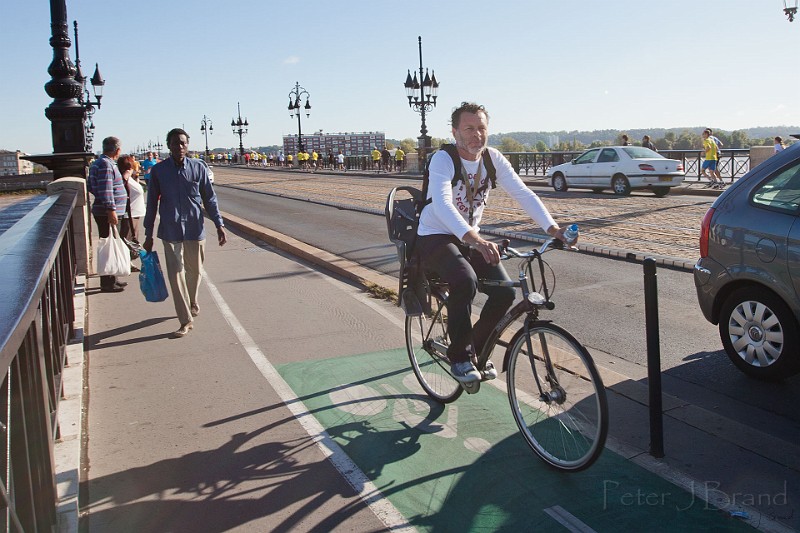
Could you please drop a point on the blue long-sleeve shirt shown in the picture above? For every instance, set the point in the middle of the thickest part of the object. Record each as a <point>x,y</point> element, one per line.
<point>178,193</point>
<point>105,183</point>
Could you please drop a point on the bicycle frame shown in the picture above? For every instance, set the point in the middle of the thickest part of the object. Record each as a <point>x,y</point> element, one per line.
<point>530,304</point>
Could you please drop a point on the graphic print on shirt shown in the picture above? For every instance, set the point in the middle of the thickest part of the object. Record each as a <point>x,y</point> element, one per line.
<point>461,199</point>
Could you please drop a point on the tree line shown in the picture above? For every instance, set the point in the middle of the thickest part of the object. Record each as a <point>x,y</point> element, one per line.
<point>683,140</point>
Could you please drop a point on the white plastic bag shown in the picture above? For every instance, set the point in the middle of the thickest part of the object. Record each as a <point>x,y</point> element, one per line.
<point>113,256</point>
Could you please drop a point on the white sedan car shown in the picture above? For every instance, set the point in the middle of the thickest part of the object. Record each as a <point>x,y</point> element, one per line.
<point>619,168</point>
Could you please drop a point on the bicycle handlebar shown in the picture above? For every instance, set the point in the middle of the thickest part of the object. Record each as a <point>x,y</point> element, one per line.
<point>506,252</point>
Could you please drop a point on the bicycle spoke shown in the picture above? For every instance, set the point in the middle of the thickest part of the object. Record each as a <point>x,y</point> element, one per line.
<point>557,398</point>
<point>432,370</point>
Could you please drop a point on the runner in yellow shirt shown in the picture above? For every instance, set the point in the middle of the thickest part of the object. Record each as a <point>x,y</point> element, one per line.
<point>376,159</point>
<point>399,159</point>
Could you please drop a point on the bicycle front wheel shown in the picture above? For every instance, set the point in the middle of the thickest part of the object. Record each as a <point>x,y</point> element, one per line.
<point>557,397</point>
<point>426,341</point>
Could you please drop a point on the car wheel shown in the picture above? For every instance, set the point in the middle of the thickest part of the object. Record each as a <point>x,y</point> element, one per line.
<point>661,192</point>
<point>620,185</point>
<point>560,183</point>
<point>759,333</point>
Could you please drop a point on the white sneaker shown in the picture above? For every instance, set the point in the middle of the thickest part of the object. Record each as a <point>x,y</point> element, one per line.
<point>489,371</point>
<point>465,372</point>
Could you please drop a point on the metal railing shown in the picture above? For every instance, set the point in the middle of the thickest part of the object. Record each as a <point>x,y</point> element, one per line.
<point>37,282</point>
<point>734,163</point>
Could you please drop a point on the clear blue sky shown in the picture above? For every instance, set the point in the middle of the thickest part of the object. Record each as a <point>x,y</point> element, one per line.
<point>537,65</point>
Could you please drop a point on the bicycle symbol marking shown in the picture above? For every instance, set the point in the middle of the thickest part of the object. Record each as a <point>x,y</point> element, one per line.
<point>408,408</point>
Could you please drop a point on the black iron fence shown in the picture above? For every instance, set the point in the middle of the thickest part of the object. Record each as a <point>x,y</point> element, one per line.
<point>37,282</point>
<point>733,163</point>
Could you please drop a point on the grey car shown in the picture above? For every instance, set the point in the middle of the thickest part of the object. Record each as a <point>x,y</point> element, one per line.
<point>748,274</point>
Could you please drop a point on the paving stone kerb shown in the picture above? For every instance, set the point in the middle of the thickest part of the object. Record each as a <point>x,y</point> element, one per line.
<point>629,227</point>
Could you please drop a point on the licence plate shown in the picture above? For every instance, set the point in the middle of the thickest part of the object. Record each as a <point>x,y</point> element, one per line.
<point>665,178</point>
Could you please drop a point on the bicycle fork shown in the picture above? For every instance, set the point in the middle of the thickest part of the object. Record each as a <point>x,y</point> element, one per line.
<point>556,393</point>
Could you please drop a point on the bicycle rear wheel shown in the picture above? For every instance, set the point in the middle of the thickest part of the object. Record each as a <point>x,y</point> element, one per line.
<point>564,418</point>
<point>423,335</point>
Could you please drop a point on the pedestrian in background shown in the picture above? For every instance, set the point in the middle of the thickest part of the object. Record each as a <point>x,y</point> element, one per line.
<point>399,158</point>
<point>778,144</point>
<point>719,145</point>
<point>130,225</point>
<point>376,159</point>
<point>386,157</point>
<point>625,140</point>
<point>179,187</point>
<point>647,143</point>
<point>147,165</point>
<point>110,199</point>
<point>710,163</point>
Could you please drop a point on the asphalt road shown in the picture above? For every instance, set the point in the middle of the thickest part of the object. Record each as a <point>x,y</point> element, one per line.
<point>600,300</point>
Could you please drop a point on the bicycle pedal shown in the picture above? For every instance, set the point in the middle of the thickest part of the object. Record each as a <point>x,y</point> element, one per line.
<point>472,387</point>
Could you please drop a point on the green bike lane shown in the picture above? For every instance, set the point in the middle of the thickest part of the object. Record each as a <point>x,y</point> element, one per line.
<point>464,466</point>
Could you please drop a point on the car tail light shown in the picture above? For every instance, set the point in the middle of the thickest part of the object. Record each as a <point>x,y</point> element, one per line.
<point>680,167</point>
<point>645,166</point>
<point>705,229</point>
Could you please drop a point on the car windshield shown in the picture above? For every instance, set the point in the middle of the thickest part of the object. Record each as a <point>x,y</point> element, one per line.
<point>587,157</point>
<point>638,152</point>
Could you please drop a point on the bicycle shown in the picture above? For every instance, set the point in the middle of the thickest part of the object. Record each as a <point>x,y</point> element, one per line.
<point>556,394</point>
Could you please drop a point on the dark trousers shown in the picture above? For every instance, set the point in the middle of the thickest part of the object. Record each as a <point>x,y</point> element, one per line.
<point>103,231</point>
<point>450,259</point>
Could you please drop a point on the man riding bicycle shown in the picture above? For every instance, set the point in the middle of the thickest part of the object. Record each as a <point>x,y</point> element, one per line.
<point>449,243</point>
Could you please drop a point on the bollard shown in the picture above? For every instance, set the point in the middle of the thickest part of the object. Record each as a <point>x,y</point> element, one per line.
<point>653,358</point>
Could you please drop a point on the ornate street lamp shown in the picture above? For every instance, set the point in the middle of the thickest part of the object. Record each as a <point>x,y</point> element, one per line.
<point>84,99</point>
<point>422,103</point>
<point>240,128</point>
<point>790,8</point>
<point>70,111</point>
<point>206,127</point>
<point>157,147</point>
<point>294,109</point>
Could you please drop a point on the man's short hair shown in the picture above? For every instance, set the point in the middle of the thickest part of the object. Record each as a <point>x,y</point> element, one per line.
<point>467,107</point>
<point>176,131</point>
<point>111,145</point>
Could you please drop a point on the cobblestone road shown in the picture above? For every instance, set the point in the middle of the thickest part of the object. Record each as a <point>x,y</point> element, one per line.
<point>666,227</point>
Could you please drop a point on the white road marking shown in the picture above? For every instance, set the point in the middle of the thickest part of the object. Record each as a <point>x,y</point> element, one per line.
<point>366,490</point>
<point>560,515</point>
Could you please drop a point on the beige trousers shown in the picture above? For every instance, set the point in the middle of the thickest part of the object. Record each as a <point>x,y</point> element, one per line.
<point>184,271</point>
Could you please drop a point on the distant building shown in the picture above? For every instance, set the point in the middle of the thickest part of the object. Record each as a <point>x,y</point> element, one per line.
<point>12,165</point>
<point>348,143</point>
<point>552,141</point>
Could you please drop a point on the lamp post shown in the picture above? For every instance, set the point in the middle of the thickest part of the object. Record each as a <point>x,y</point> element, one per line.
<point>424,103</point>
<point>790,8</point>
<point>206,127</point>
<point>157,147</point>
<point>70,108</point>
<point>97,82</point>
<point>240,129</point>
<point>294,109</point>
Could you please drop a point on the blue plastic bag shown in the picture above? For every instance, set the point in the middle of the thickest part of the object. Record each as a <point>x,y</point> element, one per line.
<point>151,279</point>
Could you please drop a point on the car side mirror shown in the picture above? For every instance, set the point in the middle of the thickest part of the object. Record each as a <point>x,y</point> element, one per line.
<point>574,161</point>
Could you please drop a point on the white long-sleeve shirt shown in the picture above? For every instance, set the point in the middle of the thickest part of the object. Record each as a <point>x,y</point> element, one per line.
<point>448,212</point>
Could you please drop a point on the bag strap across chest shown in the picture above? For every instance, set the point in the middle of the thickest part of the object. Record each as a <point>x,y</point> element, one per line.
<point>452,151</point>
